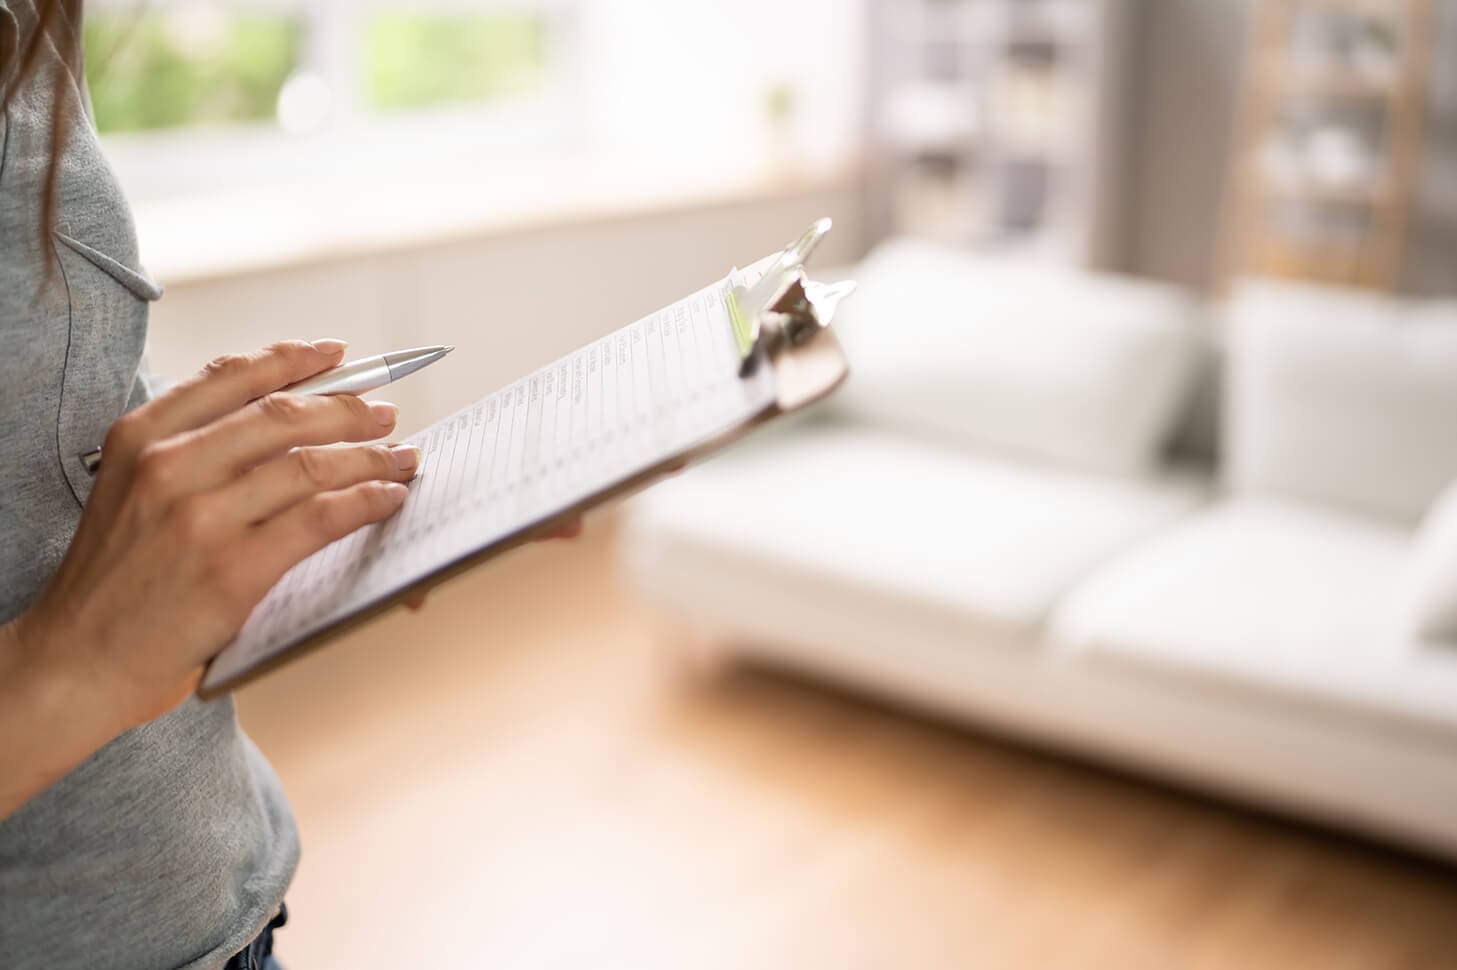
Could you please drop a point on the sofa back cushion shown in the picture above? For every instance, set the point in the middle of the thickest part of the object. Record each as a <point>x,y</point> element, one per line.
<point>1433,602</point>
<point>1340,397</point>
<point>1083,370</point>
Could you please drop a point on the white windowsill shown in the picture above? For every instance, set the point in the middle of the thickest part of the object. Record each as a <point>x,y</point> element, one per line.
<point>263,228</point>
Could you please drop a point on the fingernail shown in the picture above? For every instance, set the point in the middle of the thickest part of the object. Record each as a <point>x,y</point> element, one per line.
<point>407,457</point>
<point>329,346</point>
<point>395,492</point>
<point>384,412</point>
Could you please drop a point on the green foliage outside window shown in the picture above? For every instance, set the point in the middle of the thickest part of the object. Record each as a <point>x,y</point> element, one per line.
<point>414,60</point>
<point>149,69</point>
<point>204,64</point>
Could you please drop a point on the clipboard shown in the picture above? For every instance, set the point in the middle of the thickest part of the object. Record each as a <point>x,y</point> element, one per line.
<point>781,323</point>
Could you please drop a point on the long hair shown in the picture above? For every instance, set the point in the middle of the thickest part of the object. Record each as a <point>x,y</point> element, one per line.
<point>56,28</point>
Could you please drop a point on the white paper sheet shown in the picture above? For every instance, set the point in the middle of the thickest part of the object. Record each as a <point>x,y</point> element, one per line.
<point>569,431</point>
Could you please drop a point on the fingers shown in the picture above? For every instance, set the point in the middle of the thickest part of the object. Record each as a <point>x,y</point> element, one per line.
<point>569,530</point>
<point>216,455</point>
<point>287,480</point>
<point>222,387</point>
<point>273,547</point>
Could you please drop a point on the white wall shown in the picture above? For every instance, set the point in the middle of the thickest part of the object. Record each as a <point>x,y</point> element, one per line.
<point>1190,53</point>
<point>695,74</point>
<point>1432,261</point>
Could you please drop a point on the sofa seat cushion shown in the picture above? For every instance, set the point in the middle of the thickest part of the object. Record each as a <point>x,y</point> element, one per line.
<point>1278,599</point>
<point>883,519</point>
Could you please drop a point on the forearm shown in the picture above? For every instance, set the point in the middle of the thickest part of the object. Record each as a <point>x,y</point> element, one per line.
<point>50,721</point>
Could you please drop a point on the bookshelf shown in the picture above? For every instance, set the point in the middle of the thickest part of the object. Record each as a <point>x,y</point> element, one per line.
<point>1325,170</point>
<point>1000,123</point>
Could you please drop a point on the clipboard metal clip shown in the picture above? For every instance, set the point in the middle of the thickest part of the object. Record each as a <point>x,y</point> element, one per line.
<point>784,308</point>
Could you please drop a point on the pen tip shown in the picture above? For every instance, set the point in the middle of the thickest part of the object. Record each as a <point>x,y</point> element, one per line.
<point>450,348</point>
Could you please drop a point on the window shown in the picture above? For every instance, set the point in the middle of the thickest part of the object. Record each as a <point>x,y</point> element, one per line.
<point>311,64</point>
<point>152,69</point>
<point>418,59</point>
<point>282,106</point>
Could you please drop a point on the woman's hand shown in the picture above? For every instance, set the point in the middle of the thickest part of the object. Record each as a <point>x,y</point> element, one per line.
<point>206,496</point>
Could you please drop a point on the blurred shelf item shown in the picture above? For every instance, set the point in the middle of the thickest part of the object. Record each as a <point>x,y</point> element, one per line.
<point>936,200</point>
<point>1320,261</point>
<point>931,115</point>
<point>1000,123</point>
<point>1366,193</point>
<point>1056,21</point>
<point>1378,10</point>
<point>1322,80</point>
<point>1332,166</point>
<point>1332,119</point>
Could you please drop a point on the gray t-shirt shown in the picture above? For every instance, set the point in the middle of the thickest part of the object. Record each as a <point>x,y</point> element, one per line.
<point>171,846</point>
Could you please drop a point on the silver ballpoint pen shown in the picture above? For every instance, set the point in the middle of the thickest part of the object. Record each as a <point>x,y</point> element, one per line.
<point>355,377</point>
<point>366,374</point>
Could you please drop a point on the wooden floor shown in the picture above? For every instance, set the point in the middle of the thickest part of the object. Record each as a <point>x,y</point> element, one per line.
<point>521,777</point>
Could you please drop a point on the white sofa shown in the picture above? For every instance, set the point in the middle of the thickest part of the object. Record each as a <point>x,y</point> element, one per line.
<point>1012,516</point>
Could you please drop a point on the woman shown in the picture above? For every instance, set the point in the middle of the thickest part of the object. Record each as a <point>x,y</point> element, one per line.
<point>139,828</point>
